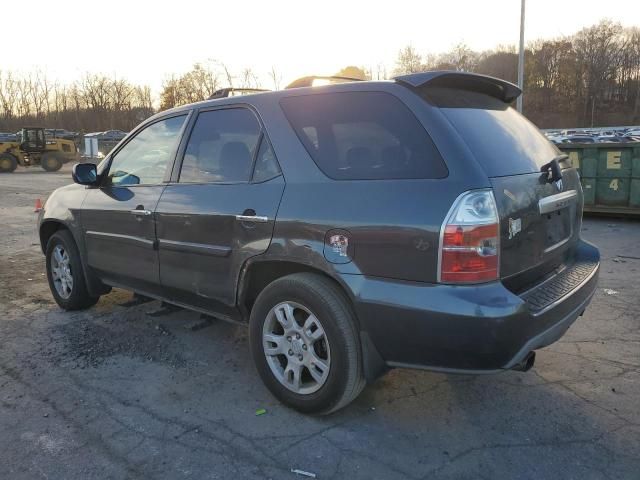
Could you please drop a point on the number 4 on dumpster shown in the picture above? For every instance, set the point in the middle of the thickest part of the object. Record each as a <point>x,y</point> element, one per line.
<point>613,185</point>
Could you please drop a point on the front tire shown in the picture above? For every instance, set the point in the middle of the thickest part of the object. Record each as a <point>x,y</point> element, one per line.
<point>65,274</point>
<point>8,163</point>
<point>304,342</point>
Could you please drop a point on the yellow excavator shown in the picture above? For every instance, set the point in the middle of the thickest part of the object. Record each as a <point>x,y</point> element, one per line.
<point>34,148</point>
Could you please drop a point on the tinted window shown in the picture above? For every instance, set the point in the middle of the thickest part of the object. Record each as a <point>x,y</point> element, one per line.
<point>144,160</point>
<point>363,135</point>
<point>266,164</point>
<point>502,140</point>
<point>221,147</point>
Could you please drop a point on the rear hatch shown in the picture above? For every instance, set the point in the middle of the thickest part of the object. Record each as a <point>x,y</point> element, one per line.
<point>540,218</point>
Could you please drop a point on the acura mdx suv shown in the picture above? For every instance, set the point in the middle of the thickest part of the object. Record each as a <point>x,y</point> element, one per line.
<point>355,227</point>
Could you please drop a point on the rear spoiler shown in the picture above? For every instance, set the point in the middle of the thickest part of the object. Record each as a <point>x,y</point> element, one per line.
<point>495,87</point>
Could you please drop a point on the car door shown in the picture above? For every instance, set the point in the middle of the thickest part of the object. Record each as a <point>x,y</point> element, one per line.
<point>220,210</point>
<point>117,216</point>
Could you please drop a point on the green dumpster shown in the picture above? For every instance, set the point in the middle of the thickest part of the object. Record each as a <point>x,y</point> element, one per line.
<point>610,175</point>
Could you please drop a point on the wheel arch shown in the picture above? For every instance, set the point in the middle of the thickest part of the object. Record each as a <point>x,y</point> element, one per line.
<point>47,229</point>
<point>259,273</point>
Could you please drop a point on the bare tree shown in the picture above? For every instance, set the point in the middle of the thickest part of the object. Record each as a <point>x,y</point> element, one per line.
<point>598,56</point>
<point>462,58</point>
<point>275,77</point>
<point>248,79</point>
<point>408,61</point>
<point>8,95</point>
<point>570,81</point>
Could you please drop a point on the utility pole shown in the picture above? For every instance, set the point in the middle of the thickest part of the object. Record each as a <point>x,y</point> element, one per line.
<point>521,57</point>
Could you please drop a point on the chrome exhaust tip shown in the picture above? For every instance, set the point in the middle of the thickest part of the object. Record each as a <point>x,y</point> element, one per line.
<point>526,364</point>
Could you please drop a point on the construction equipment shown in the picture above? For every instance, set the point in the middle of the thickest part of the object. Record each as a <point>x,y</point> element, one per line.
<point>33,148</point>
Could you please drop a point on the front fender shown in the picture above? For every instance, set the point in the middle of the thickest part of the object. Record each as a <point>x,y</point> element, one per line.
<point>61,208</point>
<point>61,211</point>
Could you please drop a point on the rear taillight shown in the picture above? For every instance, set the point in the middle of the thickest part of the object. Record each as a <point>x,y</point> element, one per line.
<point>469,244</point>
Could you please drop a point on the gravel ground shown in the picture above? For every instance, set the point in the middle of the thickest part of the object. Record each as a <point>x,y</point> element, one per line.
<point>113,392</point>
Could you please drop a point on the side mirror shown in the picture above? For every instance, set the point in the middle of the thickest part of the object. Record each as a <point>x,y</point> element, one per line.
<point>85,173</point>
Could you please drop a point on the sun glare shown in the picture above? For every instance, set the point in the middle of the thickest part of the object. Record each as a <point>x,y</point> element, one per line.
<point>318,82</point>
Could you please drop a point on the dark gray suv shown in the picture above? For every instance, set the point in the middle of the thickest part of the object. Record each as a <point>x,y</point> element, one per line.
<point>356,227</point>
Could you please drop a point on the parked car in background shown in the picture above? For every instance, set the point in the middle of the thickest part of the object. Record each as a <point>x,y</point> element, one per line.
<point>60,133</point>
<point>109,135</point>
<point>8,137</point>
<point>113,135</point>
<point>355,227</point>
<point>613,139</point>
<point>579,139</point>
<point>594,135</point>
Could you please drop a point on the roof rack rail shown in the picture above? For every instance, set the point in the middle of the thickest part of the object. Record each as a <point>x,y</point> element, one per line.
<point>226,92</point>
<point>308,81</point>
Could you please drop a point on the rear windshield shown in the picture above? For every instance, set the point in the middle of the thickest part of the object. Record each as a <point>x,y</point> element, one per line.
<point>363,136</point>
<point>502,140</point>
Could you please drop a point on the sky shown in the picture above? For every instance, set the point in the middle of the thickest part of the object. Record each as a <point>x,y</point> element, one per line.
<point>145,41</point>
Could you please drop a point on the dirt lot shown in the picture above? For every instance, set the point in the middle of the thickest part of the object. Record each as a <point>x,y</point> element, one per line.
<point>115,393</point>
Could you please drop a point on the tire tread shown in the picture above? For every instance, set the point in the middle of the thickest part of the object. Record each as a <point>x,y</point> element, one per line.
<point>80,298</point>
<point>344,316</point>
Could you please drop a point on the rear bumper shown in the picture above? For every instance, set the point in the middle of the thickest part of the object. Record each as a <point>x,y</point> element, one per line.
<point>470,329</point>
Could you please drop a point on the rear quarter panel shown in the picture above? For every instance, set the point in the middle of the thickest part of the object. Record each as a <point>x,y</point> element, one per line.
<point>393,225</point>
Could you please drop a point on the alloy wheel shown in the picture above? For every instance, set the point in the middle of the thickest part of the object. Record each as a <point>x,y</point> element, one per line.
<point>296,348</point>
<point>61,271</point>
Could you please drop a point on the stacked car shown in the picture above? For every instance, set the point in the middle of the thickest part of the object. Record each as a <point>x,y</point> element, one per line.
<point>608,135</point>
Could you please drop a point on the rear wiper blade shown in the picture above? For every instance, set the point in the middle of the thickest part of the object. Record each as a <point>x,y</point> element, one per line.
<point>553,167</point>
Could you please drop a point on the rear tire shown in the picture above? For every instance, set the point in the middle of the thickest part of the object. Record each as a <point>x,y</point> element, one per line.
<point>334,327</point>
<point>8,163</point>
<point>51,162</point>
<point>65,273</point>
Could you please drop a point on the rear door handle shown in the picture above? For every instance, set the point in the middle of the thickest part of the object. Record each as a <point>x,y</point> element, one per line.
<point>140,212</point>
<point>252,218</point>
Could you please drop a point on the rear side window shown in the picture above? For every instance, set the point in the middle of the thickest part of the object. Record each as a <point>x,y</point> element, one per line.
<point>266,166</point>
<point>363,136</point>
<point>503,141</point>
<point>221,147</point>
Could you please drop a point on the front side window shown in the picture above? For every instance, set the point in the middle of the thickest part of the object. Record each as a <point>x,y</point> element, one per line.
<point>145,159</point>
<point>363,136</point>
<point>221,147</point>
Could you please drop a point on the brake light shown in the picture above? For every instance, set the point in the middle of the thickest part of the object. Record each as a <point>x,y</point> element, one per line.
<point>469,245</point>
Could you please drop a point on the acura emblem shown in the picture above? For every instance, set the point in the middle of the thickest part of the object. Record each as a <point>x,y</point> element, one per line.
<point>559,185</point>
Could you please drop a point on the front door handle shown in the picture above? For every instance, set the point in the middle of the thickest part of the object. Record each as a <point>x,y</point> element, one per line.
<point>140,212</point>
<point>252,218</point>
